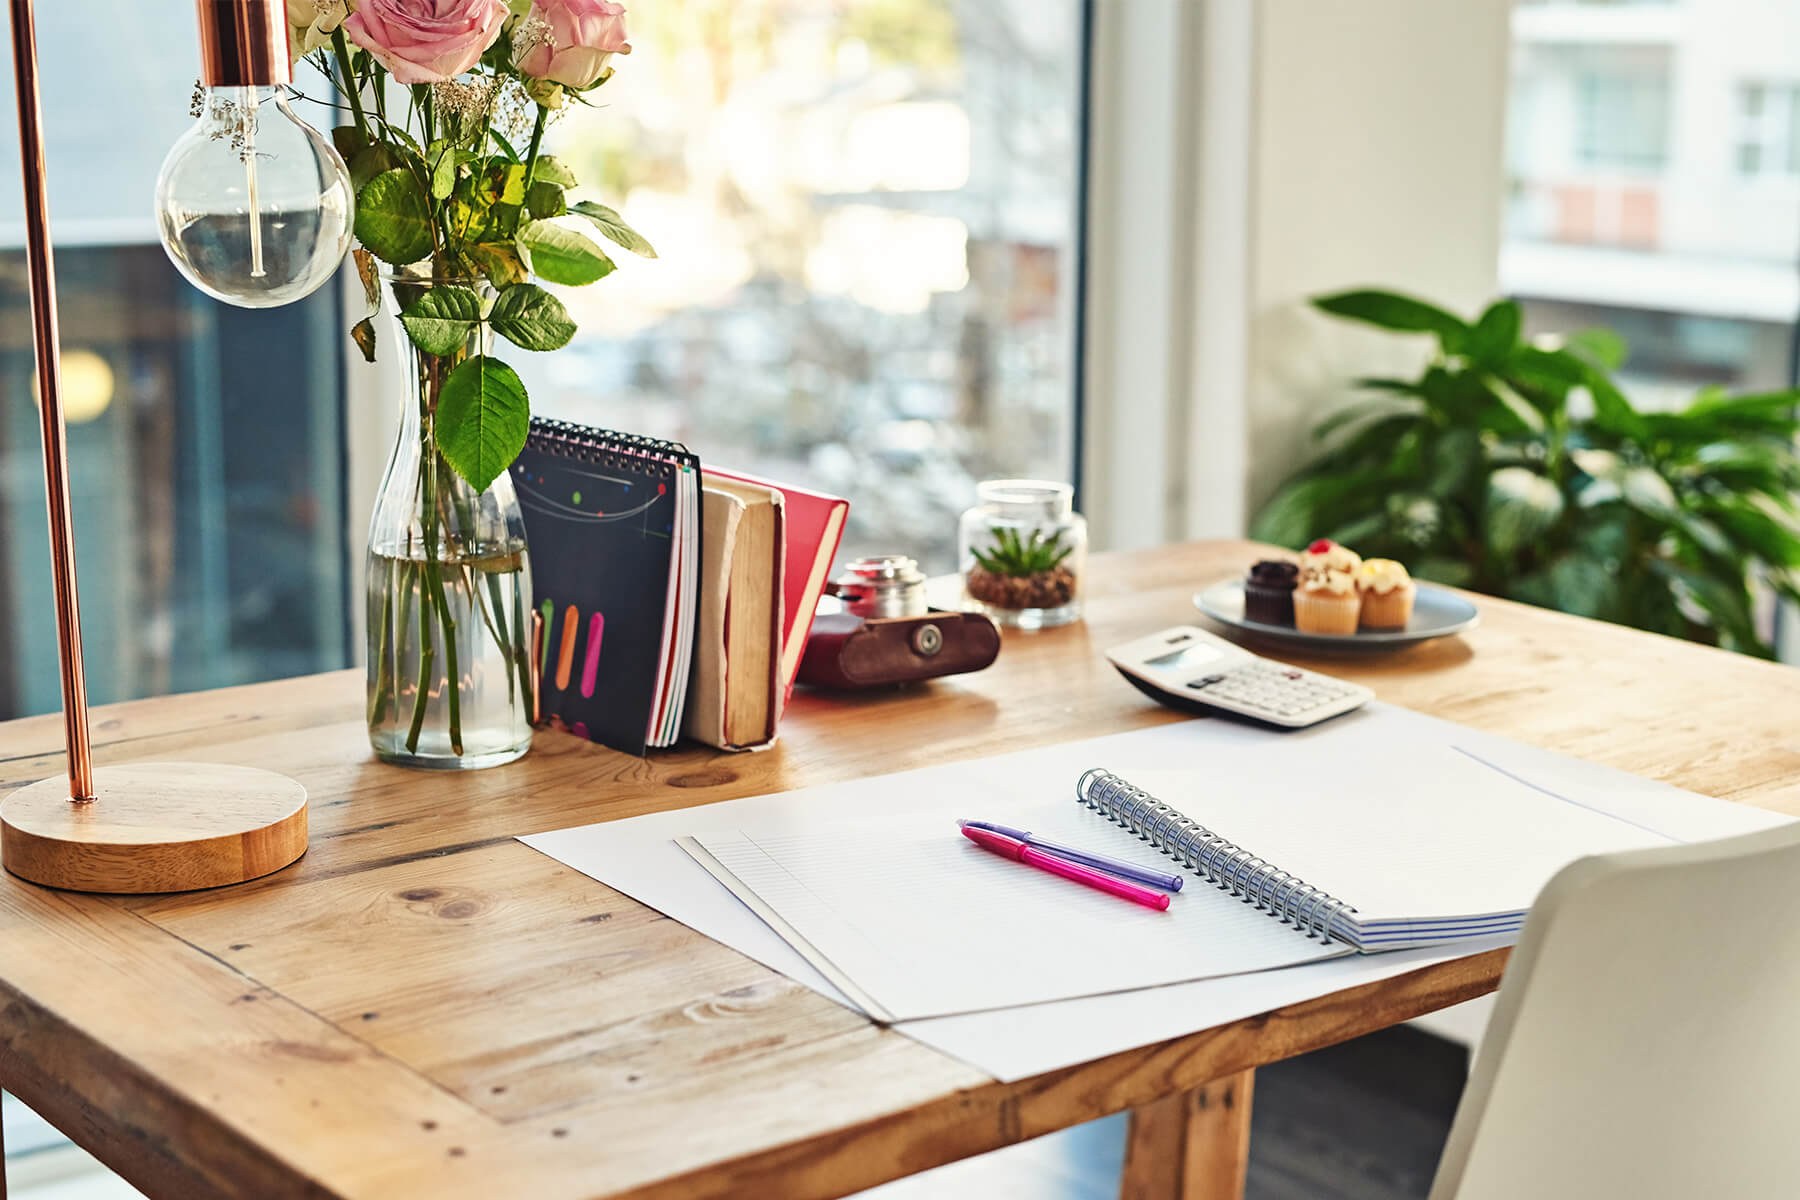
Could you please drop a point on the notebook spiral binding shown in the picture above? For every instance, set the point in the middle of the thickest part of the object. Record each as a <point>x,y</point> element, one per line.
<point>621,451</point>
<point>1220,862</point>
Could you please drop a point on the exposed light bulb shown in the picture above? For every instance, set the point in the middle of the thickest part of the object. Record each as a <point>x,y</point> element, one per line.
<point>254,206</point>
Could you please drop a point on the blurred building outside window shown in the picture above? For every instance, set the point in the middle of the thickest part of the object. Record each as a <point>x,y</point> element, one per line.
<point>866,215</point>
<point>1653,155</point>
<point>205,442</point>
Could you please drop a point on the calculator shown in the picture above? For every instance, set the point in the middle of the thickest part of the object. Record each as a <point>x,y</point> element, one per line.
<point>1191,669</point>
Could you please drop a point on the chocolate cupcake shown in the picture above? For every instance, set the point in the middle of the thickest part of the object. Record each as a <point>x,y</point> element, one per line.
<point>1269,593</point>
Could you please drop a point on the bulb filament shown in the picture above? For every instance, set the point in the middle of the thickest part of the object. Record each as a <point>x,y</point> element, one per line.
<point>256,248</point>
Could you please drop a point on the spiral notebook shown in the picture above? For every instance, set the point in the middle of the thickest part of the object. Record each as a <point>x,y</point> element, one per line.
<point>613,525</point>
<point>1316,846</point>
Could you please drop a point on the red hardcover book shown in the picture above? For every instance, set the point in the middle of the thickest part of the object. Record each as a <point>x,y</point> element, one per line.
<point>815,526</point>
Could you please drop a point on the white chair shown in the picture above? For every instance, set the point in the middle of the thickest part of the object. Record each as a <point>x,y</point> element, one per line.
<point>1646,1040</point>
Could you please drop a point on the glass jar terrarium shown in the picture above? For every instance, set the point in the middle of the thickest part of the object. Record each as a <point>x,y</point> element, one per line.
<point>1023,551</point>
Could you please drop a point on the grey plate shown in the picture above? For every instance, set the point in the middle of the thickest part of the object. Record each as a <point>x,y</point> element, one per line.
<point>1437,612</point>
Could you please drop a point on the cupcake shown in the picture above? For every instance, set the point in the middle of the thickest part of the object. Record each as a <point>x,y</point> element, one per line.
<point>1387,594</point>
<point>1269,592</point>
<point>1326,600</point>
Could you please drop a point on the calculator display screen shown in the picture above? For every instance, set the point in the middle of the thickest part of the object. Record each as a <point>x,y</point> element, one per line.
<point>1187,657</point>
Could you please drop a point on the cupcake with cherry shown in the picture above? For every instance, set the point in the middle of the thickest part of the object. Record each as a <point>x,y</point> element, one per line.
<point>1327,599</point>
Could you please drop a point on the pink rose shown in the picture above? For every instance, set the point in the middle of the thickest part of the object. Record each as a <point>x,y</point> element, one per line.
<point>569,41</point>
<point>426,41</point>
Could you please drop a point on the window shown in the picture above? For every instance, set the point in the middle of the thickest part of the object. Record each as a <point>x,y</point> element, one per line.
<point>1768,141</point>
<point>866,215</point>
<point>1621,120</point>
<point>205,442</point>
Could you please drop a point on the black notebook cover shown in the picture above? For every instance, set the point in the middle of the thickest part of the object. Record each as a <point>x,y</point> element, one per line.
<point>600,521</point>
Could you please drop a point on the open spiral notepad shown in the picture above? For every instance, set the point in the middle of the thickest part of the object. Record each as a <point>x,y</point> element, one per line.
<point>1323,849</point>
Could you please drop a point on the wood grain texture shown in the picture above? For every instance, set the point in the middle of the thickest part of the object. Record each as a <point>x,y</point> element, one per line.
<point>155,827</point>
<point>1192,1145</point>
<point>423,1006</point>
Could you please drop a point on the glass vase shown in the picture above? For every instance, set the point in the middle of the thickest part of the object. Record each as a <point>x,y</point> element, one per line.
<point>1023,553</point>
<point>449,580</point>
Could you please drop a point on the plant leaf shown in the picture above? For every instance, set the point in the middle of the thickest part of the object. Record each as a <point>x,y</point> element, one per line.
<point>1529,419</point>
<point>545,199</point>
<point>562,255</point>
<point>1496,332</point>
<point>482,419</point>
<point>1401,313</point>
<point>1602,346</point>
<point>529,317</point>
<point>500,262</point>
<point>614,228</point>
<point>1521,505</point>
<point>550,169</point>
<point>441,159</point>
<point>392,218</point>
<point>441,318</point>
<point>363,334</point>
<point>1647,491</point>
<point>372,160</point>
<point>371,279</point>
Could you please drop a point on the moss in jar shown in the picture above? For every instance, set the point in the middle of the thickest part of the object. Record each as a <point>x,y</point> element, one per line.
<point>1018,572</point>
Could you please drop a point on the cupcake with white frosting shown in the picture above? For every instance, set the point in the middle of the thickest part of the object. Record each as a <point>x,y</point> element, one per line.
<point>1387,594</point>
<point>1327,600</point>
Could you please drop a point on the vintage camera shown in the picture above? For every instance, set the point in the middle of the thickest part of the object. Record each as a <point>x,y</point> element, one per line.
<point>885,631</point>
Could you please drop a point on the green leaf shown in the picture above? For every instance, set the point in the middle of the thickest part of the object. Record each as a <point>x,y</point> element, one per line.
<point>1496,332</point>
<point>1521,506</point>
<point>613,227</point>
<point>532,318</point>
<point>1353,414</point>
<point>1601,346</point>
<point>545,199</point>
<point>499,262</point>
<point>1574,583</point>
<point>1403,314</point>
<point>1761,530</point>
<point>1647,491</point>
<point>482,418</point>
<point>1613,413</point>
<point>1521,410</point>
<point>1555,371</point>
<point>550,169</point>
<point>1454,458</point>
<point>363,334</point>
<point>562,255</point>
<point>392,218</point>
<point>347,140</point>
<point>370,161</point>
<point>1723,600</point>
<point>1295,515</point>
<point>442,160</point>
<point>440,320</point>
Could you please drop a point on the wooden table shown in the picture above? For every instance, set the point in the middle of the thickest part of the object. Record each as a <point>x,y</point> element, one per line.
<point>422,1006</point>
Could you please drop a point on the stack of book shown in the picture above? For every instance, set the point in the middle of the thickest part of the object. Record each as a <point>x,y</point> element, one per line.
<point>675,598</point>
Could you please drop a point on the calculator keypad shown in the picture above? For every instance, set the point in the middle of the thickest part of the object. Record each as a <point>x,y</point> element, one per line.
<point>1275,692</point>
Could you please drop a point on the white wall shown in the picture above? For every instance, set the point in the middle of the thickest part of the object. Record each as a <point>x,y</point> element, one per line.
<point>1298,147</point>
<point>1378,160</point>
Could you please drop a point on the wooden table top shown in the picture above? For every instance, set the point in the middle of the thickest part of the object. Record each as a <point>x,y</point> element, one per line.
<point>424,1006</point>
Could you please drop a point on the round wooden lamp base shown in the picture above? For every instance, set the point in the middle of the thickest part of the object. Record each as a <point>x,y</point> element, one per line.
<point>155,827</point>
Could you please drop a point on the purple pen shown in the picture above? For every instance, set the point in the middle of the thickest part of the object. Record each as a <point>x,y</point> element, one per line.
<point>1087,858</point>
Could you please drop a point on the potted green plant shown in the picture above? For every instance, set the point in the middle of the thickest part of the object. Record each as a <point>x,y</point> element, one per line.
<point>1518,468</point>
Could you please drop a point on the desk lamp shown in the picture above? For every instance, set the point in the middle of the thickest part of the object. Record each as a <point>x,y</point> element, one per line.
<point>254,208</point>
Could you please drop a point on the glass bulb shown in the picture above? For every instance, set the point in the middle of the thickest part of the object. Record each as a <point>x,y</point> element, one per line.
<point>254,207</point>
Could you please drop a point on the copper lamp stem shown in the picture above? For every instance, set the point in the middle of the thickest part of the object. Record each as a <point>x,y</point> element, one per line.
<point>50,413</point>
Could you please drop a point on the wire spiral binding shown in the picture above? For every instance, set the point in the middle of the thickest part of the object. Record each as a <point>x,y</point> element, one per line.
<point>1222,863</point>
<point>621,451</point>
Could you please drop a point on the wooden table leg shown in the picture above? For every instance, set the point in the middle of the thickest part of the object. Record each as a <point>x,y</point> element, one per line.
<point>1193,1146</point>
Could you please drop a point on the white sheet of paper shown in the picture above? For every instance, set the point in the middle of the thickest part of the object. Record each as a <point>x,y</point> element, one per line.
<point>639,857</point>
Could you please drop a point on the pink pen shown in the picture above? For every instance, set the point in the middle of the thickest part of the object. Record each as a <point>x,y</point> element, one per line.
<point>1019,852</point>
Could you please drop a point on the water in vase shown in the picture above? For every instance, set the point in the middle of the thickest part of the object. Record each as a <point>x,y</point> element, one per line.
<point>456,701</point>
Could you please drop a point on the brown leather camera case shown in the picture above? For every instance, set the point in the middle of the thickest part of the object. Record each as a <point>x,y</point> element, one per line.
<point>848,651</point>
